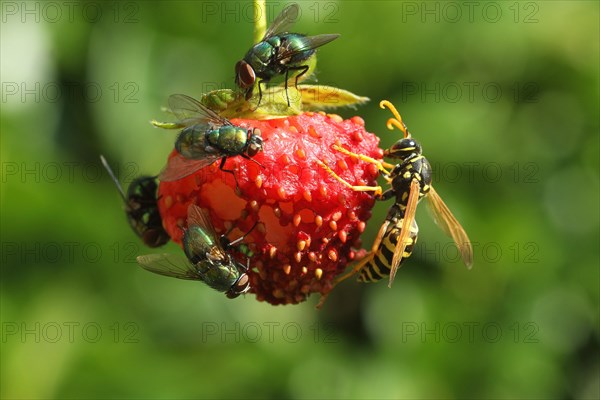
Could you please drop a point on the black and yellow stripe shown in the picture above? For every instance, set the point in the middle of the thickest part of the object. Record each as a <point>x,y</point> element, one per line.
<point>377,265</point>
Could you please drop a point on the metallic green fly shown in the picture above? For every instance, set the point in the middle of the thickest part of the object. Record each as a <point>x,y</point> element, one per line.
<point>205,138</point>
<point>280,53</point>
<point>208,258</point>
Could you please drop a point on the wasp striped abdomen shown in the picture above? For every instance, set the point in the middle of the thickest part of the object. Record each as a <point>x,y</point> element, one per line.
<point>378,264</point>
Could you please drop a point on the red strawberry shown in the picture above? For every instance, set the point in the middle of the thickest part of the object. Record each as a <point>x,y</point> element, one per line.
<point>308,221</point>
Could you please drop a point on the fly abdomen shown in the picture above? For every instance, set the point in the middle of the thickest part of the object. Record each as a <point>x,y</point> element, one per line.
<point>260,57</point>
<point>192,142</point>
<point>290,41</point>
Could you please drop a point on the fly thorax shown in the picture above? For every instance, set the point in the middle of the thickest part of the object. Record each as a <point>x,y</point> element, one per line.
<point>213,136</point>
<point>260,56</point>
<point>232,140</point>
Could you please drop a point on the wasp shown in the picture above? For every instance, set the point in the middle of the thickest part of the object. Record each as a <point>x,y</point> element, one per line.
<point>279,53</point>
<point>206,137</point>
<point>410,181</point>
<point>141,208</point>
<point>208,257</point>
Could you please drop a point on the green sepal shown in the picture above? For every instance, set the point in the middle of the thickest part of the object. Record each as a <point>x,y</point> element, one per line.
<point>231,104</point>
<point>166,125</point>
<point>317,97</point>
<point>273,104</point>
<point>220,100</point>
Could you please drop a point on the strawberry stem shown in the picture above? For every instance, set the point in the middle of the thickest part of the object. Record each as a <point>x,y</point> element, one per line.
<point>260,24</point>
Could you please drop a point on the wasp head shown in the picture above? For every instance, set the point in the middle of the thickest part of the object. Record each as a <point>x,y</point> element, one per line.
<point>403,148</point>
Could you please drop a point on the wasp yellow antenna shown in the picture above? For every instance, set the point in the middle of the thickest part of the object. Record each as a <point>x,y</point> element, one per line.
<point>397,120</point>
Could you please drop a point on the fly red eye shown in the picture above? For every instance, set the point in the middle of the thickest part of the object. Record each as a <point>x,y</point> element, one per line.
<point>255,143</point>
<point>245,75</point>
<point>240,287</point>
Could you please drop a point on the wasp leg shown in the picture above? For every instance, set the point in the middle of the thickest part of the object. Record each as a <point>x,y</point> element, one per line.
<point>354,270</point>
<point>381,165</point>
<point>369,256</point>
<point>377,189</point>
<point>360,264</point>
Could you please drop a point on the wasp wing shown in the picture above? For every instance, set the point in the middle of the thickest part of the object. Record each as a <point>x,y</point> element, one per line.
<point>190,111</point>
<point>407,224</point>
<point>179,167</point>
<point>311,43</point>
<point>283,21</point>
<point>449,224</point>
<point>173,265</point>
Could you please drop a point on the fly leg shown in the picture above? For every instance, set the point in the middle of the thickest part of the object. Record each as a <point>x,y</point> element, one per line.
<point>259,94</point>
<point>251,159</point>
<point>302,68</point>
<point>228,244</point>
<point>250,92</point>
<point>230,171</point>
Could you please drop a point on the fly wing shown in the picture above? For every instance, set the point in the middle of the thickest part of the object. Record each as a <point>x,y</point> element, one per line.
<point>200,238</point>
<point>113,177</point>
<point>190,111</point>
<point>173,265</point>
<point>311,42</point>
<point>283,21</point>
<point>179,167</point>
<point>199,217</point>
<point>450,225</point>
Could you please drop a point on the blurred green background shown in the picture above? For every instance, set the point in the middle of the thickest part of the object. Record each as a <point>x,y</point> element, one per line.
<point>503,97</point>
